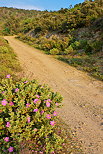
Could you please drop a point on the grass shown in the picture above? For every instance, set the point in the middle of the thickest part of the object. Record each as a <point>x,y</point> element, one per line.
<point>8,60</point>
<point>90,63</point>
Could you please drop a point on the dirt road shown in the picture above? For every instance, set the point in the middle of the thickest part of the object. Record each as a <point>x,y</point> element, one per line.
<point>83,95</point>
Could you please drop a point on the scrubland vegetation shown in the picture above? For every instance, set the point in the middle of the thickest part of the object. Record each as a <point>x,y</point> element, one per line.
<point>29,122</point>
<point>28,117</point>
<point>74,33</point>
<point>8,60</point>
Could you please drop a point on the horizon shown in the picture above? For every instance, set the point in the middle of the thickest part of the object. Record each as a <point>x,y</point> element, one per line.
<point>39,5</point>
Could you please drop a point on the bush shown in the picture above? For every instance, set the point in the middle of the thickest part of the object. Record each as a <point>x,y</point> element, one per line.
<point>4,49</point>
<point>83,43</point>
<point>6,31</point>
<point>54,51</point>
<point>88,49</point>
<point>76,45</point>
<point>96,46</point>
<point>69,50</point>
<point>27,113</point>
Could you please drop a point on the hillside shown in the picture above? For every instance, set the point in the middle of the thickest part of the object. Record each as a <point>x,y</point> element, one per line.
<point>74,34</point>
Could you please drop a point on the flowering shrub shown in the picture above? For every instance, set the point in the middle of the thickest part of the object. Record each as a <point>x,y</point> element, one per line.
<point>27,113</point>
<point>68,50</point>
<point>54,51</point>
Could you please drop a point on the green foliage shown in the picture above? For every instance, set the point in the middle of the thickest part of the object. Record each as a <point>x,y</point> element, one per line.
<point>16,20</point>
<point>88,49</point>
<point>57,44</point>
<point>6,31</point>
<point>90,63</point>
<point>75,45</point>
<point>83,43</point>
<point>54,51</point>
<point>27,113</point>
<point>96,46</point>
<point>8,61</point>
<point>69,50</point>
<point>4,50</point>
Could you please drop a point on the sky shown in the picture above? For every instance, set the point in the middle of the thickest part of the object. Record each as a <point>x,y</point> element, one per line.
<point>39,4</point>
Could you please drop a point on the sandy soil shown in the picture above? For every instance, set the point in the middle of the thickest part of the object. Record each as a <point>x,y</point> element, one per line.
<point>83,95</point>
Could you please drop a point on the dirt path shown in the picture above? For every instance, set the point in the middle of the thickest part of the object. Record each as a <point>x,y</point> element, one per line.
<point>83,95</point>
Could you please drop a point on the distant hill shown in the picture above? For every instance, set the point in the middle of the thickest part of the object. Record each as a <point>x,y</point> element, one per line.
<point>18,20</point>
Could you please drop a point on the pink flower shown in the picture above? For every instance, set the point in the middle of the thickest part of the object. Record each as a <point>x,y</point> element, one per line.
<point>11,149</point>
<point>35,110</point>
<point>35,129</point>
<point>8,76</point>
<point>54,113</point>
<point>35,101</point>
<point>41,152</point>
<point>56,104</point>
<point>4,102</point>
<point>42,112</point>
<point>37,96</point>
<point>28,119</point>
<point>27,105</point>
<point>25,81</point>
<point>52,123</point>
<point>11,103</point>
<point>47,104</point>
<point>3,92</point>
<point>6,139</point>
<point>16,90</point>
<point>49,100</point>
<point>8,124</point>
<point>48,116</point>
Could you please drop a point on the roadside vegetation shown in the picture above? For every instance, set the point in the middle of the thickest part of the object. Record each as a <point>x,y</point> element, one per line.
<point>8,60</point>
<point>29,122</point>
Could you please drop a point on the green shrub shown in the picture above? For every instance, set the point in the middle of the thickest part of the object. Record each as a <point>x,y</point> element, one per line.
<point>27,113</point>
<point>69,50</point>
<point>6,31</point>
<point>88,49</point>
<point>83,43</point>
<point>54,51</point>
<point>96,46</point>
<point>46,46</point>
<point>75,45</point>
<point>4,49</point>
